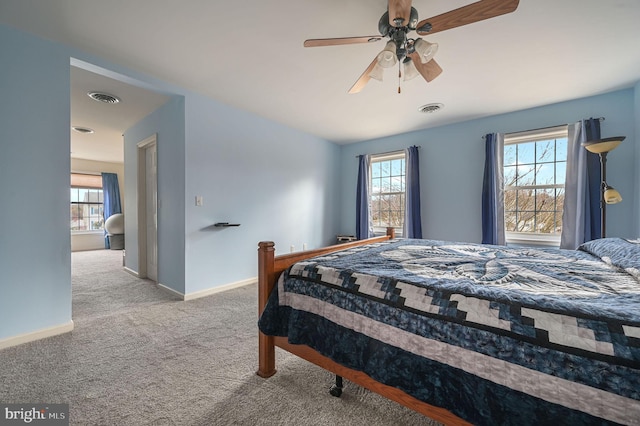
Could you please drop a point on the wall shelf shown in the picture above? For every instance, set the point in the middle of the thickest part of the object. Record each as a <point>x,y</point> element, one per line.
<point>225,224</point>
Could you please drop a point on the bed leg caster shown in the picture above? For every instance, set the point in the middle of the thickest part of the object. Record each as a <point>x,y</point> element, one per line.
<point>336,390</point>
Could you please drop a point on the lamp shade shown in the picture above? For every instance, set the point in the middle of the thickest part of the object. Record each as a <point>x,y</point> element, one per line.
<point>410,70</point>
<point>387,58</point>
<point>611,195</point>
<point>600,146</point>
<point>425,50</point>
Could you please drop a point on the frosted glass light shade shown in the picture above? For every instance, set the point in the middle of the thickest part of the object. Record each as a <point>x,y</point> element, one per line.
<point>410,71</point>
<point>387,58</point>
<point>377,72</point>
<point>425,50</point>
<point>611,195</point>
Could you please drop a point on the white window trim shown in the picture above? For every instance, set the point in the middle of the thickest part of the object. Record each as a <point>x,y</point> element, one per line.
<point>529,238</point>
<point>86,231</point>
<point>379,231</point>
<point>552,240</point>
<point>394,155</point>
<point>536,135</point>
<point>80,232</point>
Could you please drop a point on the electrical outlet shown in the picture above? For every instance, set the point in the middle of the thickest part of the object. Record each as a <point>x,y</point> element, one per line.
<point>292,248</point>
<point>199,200</point>
<point>304,246</point>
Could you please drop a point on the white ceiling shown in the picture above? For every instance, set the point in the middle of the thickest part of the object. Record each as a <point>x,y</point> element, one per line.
<point>249,54</point>
<point>108,121</point>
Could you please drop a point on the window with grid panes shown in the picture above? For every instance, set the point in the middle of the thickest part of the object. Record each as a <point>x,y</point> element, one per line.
<point>387,191</point>
<point>535,164</point>
<point>86,203</point>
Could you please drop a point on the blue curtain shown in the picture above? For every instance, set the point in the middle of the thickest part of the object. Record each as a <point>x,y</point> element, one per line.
<point>594,178</point>
<point>363,223</point>
<point>581,214</point>
<point>412,217</point>
<point>111,194</point>
<point>493,231</point>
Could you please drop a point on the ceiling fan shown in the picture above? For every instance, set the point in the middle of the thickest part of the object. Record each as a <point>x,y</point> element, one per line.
<point>415,54</point>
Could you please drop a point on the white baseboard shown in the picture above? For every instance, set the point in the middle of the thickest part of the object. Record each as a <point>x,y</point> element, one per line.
<point>172,291</point>
<point>36,335</point>
<point>132,272</point>
<point>209,291</point>
<point>220,289</point>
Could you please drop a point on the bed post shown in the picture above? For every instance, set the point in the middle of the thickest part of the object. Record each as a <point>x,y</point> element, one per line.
<point>266,282</point>
<point>391,232</point>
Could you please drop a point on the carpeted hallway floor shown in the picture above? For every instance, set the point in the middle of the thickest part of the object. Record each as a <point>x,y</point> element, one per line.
<point>138,356</point>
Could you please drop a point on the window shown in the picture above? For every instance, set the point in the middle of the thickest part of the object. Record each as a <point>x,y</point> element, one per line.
<point>535,165</point>
<point>387,191</point>
<point>86,202</point>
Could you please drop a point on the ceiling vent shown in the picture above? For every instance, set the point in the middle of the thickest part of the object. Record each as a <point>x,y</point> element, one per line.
<point>430,108</point>
<point>103,97</point>
<point>84,130</point>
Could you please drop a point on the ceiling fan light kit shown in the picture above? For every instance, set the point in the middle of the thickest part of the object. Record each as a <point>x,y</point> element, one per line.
<point>416,54</point>
<point>387,58</point>
<point>410,70</point>
<point>377,72</point>
<point>425,49</point>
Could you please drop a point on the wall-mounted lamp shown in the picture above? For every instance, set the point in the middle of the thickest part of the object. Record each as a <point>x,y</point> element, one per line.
<point>608,194</point>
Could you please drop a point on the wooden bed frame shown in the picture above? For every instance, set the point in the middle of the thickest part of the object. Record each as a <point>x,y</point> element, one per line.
<point>269,269</point>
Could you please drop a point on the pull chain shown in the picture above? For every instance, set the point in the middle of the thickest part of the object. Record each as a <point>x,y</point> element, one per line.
<point>399,76</point>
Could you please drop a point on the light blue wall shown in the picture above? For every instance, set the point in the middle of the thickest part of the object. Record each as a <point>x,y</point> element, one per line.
<point>35,244</point>
<point>279,184</point>
<point>167,122</point>
<point>247,169</point>
<point>452,164</point>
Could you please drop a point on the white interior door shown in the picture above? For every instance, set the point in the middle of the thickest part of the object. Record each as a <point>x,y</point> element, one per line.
<point>151,211</point>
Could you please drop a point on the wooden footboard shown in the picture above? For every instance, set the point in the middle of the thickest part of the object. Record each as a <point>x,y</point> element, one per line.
<point>269,269</point>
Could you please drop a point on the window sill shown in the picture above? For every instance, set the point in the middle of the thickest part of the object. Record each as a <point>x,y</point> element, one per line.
<point>99,231</point>
<point>378,231</point>
<point>524,239</point>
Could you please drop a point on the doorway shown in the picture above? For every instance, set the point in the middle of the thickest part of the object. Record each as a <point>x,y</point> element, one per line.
<point>148,208</point>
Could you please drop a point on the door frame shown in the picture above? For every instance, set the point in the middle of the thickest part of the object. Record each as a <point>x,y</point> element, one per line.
<point>142,147</point>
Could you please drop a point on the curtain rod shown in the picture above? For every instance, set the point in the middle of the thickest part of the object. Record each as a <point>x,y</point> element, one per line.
<point>390,152</point>
<point>543,128</point>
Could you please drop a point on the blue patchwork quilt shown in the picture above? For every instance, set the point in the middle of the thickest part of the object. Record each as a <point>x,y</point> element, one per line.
<point>495,335</point>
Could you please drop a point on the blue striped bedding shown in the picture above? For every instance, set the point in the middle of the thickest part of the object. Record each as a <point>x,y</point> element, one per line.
<point>495,335</point>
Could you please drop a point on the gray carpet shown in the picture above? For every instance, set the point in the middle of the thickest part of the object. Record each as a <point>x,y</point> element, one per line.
<point>138,356</point>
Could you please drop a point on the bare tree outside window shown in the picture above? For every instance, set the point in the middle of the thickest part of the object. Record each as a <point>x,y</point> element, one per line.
<point>388,191</point>
<point>534,177</point>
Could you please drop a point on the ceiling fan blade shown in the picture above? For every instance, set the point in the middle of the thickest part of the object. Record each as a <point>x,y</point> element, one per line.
<point>399,9</point>
<point>429,71</point>
<point>364,78</point>
<point>478,11</point>
<point>317,42</point>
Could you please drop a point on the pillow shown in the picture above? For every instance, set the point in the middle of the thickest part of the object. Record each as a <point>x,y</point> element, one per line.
<point>624,254</point>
